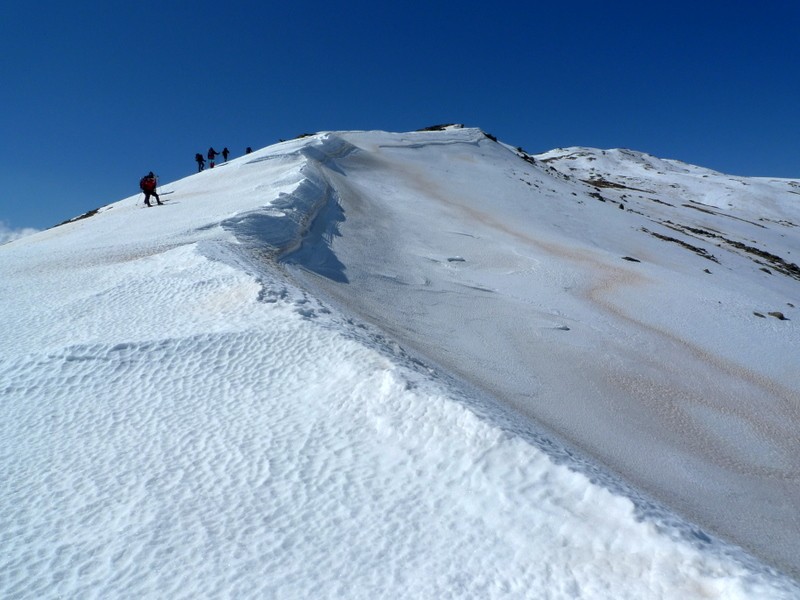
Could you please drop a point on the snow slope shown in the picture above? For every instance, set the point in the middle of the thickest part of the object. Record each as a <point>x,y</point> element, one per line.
<point>367,365</point>
<point>511,274</point>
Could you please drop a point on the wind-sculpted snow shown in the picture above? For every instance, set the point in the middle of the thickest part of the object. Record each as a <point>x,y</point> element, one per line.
<point>280,477</point>
<point>306,216</point>
<point>181,420</point>
<point>509,274</point>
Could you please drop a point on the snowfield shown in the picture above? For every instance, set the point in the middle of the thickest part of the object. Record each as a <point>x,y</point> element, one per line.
<point>408,365</point>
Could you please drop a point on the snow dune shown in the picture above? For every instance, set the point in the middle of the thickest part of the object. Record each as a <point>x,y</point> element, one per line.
<point>183,417</point>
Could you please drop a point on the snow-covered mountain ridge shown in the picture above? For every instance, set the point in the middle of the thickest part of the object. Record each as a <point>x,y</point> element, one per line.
<point>367,339</point>
<point>683,274</point>
<point>625,176</point>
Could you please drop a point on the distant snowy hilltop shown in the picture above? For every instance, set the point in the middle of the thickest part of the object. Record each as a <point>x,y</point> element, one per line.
<point>418,365</point>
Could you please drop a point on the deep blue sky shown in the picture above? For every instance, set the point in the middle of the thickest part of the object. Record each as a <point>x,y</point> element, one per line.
<point>95,94</point>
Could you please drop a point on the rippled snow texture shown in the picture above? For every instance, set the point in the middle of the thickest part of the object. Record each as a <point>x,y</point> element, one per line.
<point>283,459</point>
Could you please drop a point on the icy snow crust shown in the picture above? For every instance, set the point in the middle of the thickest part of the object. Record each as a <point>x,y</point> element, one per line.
<point>182,419</point>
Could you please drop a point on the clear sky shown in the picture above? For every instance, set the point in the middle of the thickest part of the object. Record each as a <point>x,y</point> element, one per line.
<point>95,94</point>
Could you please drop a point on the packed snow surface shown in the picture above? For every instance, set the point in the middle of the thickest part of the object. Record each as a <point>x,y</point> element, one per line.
<point>419,365</point>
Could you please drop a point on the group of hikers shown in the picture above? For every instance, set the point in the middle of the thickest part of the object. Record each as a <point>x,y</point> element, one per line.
<point>212,156</point>
<point>149,182</point>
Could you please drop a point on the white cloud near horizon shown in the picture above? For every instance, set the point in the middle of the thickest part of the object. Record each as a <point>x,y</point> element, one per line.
<point>9,234</point>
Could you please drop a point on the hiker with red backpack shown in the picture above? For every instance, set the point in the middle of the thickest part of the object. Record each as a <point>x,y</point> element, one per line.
<point>212,154</point>
<point>148,185</point>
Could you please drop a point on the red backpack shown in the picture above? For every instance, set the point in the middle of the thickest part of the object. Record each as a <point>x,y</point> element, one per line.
<point>147,183</point>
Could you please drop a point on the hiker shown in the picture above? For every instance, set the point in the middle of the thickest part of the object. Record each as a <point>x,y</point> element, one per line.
<point>249,150</point>
<point>148,185</point>
<point>201,162</point>
<point>225,153</point>
<point>211,155</point>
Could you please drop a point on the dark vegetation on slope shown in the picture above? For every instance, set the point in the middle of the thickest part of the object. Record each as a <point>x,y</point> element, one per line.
<point>776,262</point>
<point>85,215</point>
<point>441,127</point>
<point>697,250</point>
